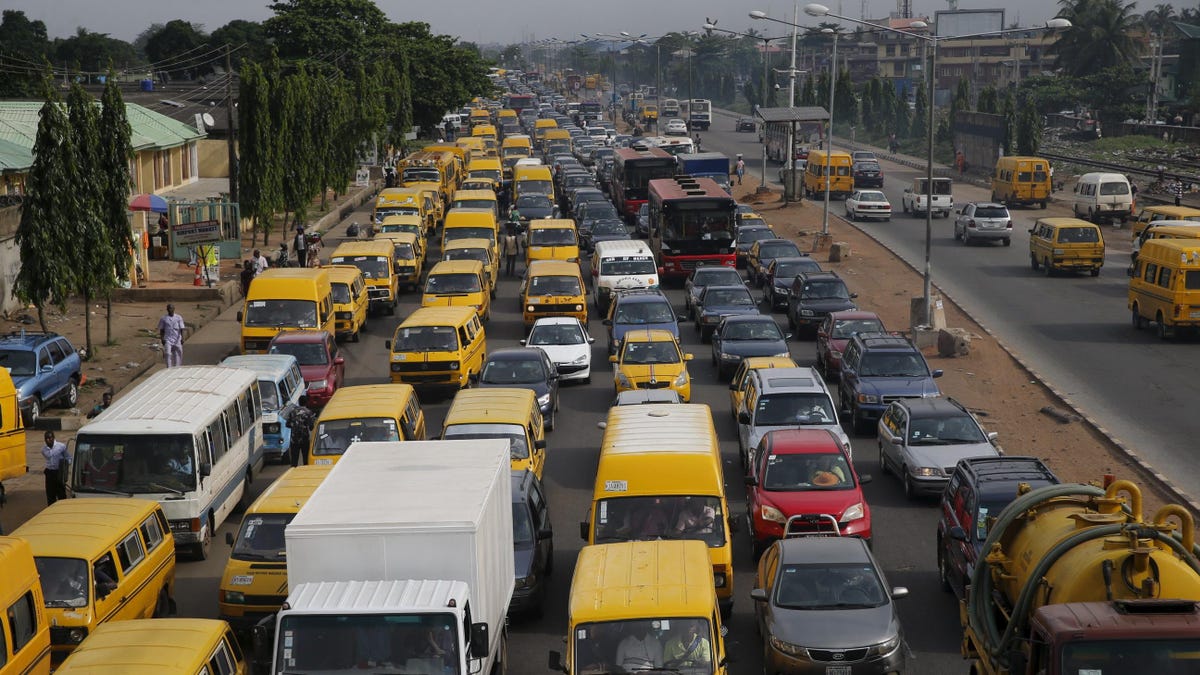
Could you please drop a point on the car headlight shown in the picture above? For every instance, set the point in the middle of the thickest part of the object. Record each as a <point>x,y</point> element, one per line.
<point>710,318</point>
<point>833,353</point>
<point>318,384</point>
<point>783,290</point>
<point>729,357</point>
<point>806,312</point>
<point>681,379</point>
<point>867,398</point>
<point>271,428</point>
<point>578,308</point>
<point>544,400</point>
<point>788,648</point>
<point>886,647</point>
<point>529,308</point>
<point>853,513</point>
<point>77,635</point>
<point>720,579</point>
<point>926,471</point>
<point>580,361</point>
<point>773,514</point>
<point>235,597</point>
<point>1060,251</point>
<point>781,355</point>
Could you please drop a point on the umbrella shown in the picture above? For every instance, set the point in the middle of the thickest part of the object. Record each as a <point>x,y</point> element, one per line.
<point>148,202</point>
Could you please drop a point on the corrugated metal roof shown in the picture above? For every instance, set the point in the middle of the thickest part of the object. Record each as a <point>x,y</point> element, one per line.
<point>1190,31</point>
<point>150,131</point>
<point>800,114</point>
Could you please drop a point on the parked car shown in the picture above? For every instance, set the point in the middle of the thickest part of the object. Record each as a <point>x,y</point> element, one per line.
<point>567,343</point>
<point>711,275</point>
<point>45,370</point>
<point>745,124</point>
<point>533,543</point>
<point>800,475</point>
<point>867,204</point>
<point>761,254</point>
<point>979,489</point>
<point>983,221</point>
<point>922,440</point>
<point>745,335</point>
<point>780,274</point>
<point>835,332</point>
<point>823,600</point>
<point>878,368</point>
<point>867,173</point>
<point>316,351</point>
<point>815,295</point>
<point>716,302</point>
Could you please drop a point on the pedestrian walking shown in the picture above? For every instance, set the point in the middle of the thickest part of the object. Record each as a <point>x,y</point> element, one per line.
<point>512,246</point>
<point>58,463</point>
<point>300,422</point>
<point>740,168</point>
<point>170,331</point>
<point>260,262</point>
<point>300,245</point>
<point>246,276</point>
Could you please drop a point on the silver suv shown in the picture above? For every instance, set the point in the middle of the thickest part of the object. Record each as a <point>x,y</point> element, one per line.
<point>784,398</point>
<point>983,221</point>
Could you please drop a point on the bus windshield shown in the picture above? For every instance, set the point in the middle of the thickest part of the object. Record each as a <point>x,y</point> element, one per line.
<point>134,464</point>
<point>334,436</point>
<point>372,267</point>
<point>660,517</point>
<point>271,313</point>
<point>339,643</point>
<point>697,223</point>
<point>261,537</point>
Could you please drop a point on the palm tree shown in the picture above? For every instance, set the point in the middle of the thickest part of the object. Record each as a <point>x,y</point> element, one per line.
<point>1100,36</point>
<point>1158,18</point>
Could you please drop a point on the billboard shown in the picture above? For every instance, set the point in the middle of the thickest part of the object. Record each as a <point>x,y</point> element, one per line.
<point>968,21</point>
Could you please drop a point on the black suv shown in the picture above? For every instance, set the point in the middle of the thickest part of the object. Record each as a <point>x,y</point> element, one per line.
<point>978,491</point>
<point>533,543</point>
<point>813,296</point>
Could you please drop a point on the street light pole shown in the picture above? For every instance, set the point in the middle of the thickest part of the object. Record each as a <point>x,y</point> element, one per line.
<point>829,136</point>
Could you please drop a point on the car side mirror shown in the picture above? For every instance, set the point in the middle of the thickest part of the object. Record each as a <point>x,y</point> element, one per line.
<point>865,478</point>
<point>751,481</point>
<point>733,386</point>
<point>1031,230</point>
<point>607,322</point>
<point>545,534</point>
<point>743,417</point>
<point>239,316</point>
<point>937,373</point>
<point>854,295</point>
<point>521,342</point>
<point>556,663</point>
<point>993,435</point>
<point>480,644</point>
<point>262,638</point>
<point>229,539</point>
<point>612,359</point>
<point>957,533</point>
<point>680,318</point>
<point>387,344</point>
<point>590,339</point>
<point>895,440</point>
<point>787,336</point>
<point>1129,271</point>
<point>583,530</point>
<point>539,444</point>
<point>759,595</point>
<point>688,357</point>
<point>339,361</point>
<point>473,378</point>
<point>899,592</point>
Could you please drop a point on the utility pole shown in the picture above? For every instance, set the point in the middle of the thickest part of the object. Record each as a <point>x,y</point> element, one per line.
<point>231,124</point>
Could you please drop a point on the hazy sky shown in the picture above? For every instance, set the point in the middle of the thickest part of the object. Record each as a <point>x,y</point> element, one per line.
<point>484,21</point>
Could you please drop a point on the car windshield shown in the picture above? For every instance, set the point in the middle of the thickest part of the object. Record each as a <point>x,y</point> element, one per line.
<point>420,176</point>
<point>991,212</point>
<point>443,284</point>
<point>625,266</point>
<point>518,445</point>
<point>670,645</point>
<point>452,233</point>
<point>480,254</point>
<point>554,285</point>
<point>752,330</point>
<point>474,204</point>
<point>523,534</point>
<point>777,250</point>
<point>608,227</point>
<point>598,211</point>
<point>556,334</point>
<point>333,437</point>
<point>64,581</point>
<point>716,276</point>
<point>944,431</point>
<point>846,328</point>
<point>513,371</point>
<point>372,267</point>
<point>893,364</point>
<point>749,236</point>
<point>661,517</point>
<point>425,339</point>
<point>829,586</point>
<point>261,537</point>
<point>270,395</point>
<point>534,201</point>
<point>556,236</point>
<point>341,294</point>
<point>822,289</point>
<point>306,353</point>
<point>794,409</point>
<point>1114,188</point>
<point>649,353</point>
<point>867,166</point>
<point>19,362</point>
<point>789,269</point>
<point>417,642</point>
<point>792,472</point>
<point>635,313</point>
<point>134,463</point>
<point>728,296</point>
<point>273,313</point>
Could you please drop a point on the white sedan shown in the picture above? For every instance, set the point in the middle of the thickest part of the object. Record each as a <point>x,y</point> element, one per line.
<point>868,204</point>
<point>567,344</point>
<point>676,127</point>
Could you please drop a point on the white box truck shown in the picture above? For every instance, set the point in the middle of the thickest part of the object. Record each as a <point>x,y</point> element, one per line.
<point>401,561</point>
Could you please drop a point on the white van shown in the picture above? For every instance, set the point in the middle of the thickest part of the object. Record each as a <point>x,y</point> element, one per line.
<point>280,385</point>
<point>1102,196</point>
<point>454,119</point>
<point>621,265</point>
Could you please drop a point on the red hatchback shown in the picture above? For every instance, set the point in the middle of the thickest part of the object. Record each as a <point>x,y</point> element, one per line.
<point>834,334</point>
<point>802,481</point>
<point>317,353</point>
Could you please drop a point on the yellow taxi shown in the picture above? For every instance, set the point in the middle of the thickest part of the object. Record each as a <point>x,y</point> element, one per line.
<point>737,387</point>
<point>651,359</point>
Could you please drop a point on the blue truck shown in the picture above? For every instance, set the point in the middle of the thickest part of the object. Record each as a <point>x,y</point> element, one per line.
<point>712,165</point>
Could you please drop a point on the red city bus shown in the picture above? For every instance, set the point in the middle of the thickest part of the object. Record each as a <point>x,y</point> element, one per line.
<point>691,224</point>
<point>520,102</point>
<point>631,174</point>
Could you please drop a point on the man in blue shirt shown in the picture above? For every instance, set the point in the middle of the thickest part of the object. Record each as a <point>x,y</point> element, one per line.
<point>58,463</point>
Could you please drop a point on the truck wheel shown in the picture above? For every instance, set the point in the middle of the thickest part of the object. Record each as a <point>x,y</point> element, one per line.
<point>1139,322</point>
<point>1033,263</point>
<point>1042,204</point>
<point>201,550</point>
<point>1160,327</point>
<point>1046,267</point>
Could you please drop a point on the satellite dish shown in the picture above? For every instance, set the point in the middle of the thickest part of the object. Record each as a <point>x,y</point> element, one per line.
<point>208,119</point>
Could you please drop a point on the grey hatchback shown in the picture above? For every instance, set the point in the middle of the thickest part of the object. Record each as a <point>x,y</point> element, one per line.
<point>823,606</point>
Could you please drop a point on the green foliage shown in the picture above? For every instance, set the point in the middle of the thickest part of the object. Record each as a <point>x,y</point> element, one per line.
<point>443,75</point>
<point>249,37</point>
<point>26,40</point>
<point>808,95</point>
<point>91,258</point>
<point>844,102</point>
<point>176,46</point>
<point>901,117</point>
<point>329,118</point>
<point>401,105</point>
<point>1101,36</point>
<point>989,101</point>
<point>258,167</point>
<point>1028,129</point>
<point>751,93</point>
<point>49,225</point>
<point>1008,108</point>
<point>960,103</point>
<point>295,120</point>
<point>93,52</point>
<point>309,28</point>
<point>116,149</point>
<point>920,117</point>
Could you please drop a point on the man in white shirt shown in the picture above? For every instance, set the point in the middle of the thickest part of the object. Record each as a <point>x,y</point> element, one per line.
<point>260,262</point>
<point>640,650</point>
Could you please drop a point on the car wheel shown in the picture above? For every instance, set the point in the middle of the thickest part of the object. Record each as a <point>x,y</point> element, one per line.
<point>1094,272</point>
<point>1160,329</point>
<point>71,395</point>
<point>35,411</point>
<point>713,357</point>
<point>1007,241</point>
<point>1046,267</point>
<point>966,238</point>
<point>883,465</point>
<point>550,420</point>
<point>1033,263</point>
<point>943,568</point>
<point>857,421</point>
<point>1139,322</point>
<point>910,490</point>
<point>202,550</point>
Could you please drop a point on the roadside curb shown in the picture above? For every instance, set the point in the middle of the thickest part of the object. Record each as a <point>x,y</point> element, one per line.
<point>1142,465</point>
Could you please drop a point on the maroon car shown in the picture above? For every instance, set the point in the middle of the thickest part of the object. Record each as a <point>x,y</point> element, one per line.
<point>802,482</point>
<point>317,353</point>
<point>834,334</point>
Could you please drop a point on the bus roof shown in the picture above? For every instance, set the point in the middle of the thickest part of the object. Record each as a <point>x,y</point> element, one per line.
<point>83,527</point>
<point>291,490</point>
<point>351,402</point>
<point>629,154</point>
<point>179,399</point>
<point>146,647</point>
<point>508,405</point>
<point>635,579</point>
<point>686,187</point>
<point>677,428</point>
<point>263,365</point>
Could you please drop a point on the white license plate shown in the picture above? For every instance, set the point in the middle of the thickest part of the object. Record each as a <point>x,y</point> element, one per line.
<point>838,670</point>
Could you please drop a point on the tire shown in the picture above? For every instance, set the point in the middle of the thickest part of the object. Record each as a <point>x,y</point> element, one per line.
<point>943,569</point>
<point>1160,327</point>
<point>1046,267</point>
<point>588,379</point>
<point>162,606</point>
<point>355,336</point>
<point>857,422</point>
<point>550,420</point>
<point>202,550</point>
<point>966,238</point>
<point>244,501</point>
<point>910,491</point>
<point>1033,263</point>
<point>1094,272</point>
<point>1139,321</point>
<point>1042,204</point>
<point>883,465</point>
<point>1007,241</point>
<point>71,395</point>
<point>35,411</point>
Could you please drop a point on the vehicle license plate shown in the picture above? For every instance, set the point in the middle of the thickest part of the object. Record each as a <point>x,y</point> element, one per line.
<point>838,670</point>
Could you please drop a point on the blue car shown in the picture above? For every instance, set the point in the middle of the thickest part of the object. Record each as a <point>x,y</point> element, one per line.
<point>716,302</point>
<point>878,368</point>
<point>639,309</point>
<point>45,369</point>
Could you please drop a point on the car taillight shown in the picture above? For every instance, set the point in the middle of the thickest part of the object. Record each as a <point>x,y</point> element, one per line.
<point>1008,225</point>
<point>971,223</point>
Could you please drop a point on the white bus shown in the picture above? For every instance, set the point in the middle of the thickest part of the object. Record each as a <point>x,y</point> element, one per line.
<point>189,437</point>
<point>697,112</point>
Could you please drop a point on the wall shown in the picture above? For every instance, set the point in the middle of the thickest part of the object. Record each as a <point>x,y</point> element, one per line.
<point>10,257</point>
<point>980,136</point>
<point>214,158</point>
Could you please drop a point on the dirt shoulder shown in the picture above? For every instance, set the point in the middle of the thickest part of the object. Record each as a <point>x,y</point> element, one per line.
<point>1007,398</point>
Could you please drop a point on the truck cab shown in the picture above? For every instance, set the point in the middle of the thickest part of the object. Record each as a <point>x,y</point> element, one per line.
<point>915,196</point>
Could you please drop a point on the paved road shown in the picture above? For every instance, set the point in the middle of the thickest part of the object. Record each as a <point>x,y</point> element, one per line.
<point>1075,331</point>
<point>903,531</point>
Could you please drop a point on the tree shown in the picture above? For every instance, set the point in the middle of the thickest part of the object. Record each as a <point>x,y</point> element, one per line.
<point>91,256</point>
<point>94,52</point>
<point>1158,19</point>
<point>48,227</point>
<point>139,42</point>
<point>443,75</point>
<point>293,119</point>
<point>989,101</point>
<point>1101,36</point>
<point>22,41</point>
<point>177,50</point>
<point>116,149</point>
<point>248,38</point>
<point>329,95</point>
<point>1008,108</point>
<point>920,117</point>
<point>1028,129</point>
<point>844,101</point>
<point>258,177</point>
<point>401,106</point>
<point>335,28</point>
<point>901,118</point>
